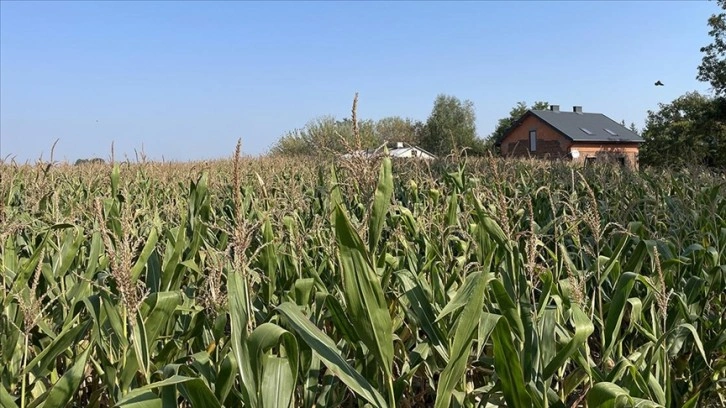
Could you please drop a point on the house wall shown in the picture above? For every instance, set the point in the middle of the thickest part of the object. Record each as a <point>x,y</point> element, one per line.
<point>550,143</point>
<point>553,145</point>
<point>604,152</point>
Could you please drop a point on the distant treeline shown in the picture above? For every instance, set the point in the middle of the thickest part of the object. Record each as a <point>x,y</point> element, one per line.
<point>95,160</point>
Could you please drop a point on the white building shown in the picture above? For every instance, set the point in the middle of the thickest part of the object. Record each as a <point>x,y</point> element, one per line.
<point>399,150</point>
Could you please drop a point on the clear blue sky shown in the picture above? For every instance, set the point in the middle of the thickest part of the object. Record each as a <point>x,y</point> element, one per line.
<point>186,79</point>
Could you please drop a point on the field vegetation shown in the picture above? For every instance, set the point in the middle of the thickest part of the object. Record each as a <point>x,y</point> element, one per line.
<point>276,282</point>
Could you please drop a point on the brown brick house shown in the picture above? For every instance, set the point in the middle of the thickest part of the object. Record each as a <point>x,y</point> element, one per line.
<point>576,136</point>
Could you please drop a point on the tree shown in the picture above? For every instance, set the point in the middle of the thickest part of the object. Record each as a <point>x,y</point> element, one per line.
<point>397,129</point>
<point>515,113</point>
<point>634,128</point>
<point>326,134</point>
<point>451,127</point>
<point>689,130</point>
<point>95,160</point>
<point>294,143</point>
<point>713,65</point>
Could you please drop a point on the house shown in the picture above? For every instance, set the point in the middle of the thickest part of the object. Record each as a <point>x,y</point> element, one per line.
<point>578,136</point>
<point>404,150</point>
<point>397,150</point>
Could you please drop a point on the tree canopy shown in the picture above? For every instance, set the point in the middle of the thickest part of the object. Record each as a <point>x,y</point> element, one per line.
<point>689,130</point>
<point>326,134</point>
<point>95,160</point>
<point>713,65</point>
<point>398,129</point>
<point>451,127</point>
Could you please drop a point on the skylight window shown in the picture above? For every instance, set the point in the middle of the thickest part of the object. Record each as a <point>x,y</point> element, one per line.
<point>611,132</point>
<point>586,131</point>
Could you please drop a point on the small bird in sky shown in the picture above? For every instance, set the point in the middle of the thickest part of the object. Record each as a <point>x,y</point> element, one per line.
<point>659,83</point>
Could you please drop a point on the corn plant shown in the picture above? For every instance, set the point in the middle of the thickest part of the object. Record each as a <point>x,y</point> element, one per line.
<point>277,283</point>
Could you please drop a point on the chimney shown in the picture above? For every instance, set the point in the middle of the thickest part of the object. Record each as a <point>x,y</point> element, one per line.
<point>577,109</point>
<point>555,108</point>
<point>399,145</point>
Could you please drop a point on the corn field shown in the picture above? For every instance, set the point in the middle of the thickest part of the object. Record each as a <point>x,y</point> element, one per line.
<point>292,283</point>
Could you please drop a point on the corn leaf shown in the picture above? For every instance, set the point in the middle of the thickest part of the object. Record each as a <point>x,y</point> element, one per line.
<point>325,348</point>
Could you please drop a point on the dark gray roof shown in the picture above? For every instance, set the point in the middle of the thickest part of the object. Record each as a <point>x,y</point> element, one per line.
<point>587,127</point>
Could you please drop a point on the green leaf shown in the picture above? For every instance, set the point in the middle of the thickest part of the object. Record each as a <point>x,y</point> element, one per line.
<point>147,399</point>
<point>452,209</point>
<point>616,310</point>
<point>179,241</point>
<point>268,259</point>
<point>697,340</point>
<point>364,296</point>
<point>548,343</point>
<point>115,174</point>
<point>613,260</point>
<point>113,316</point>
<point>149,247</point>
<point>341,321</point>
<point>494,230</point>
<point>508,308</point>
<point>487,323</point>
<point>278,383</point>
<point>225,377</point>
<point>265,337</point>
<point>325,348</point>
<point>463,337</point>
<point>461,298</point>
<point>238,301</point>
<point>21,280</point>
<point>198,393</point>
<point>69,252</point>
<point>193,389</point>
<point>64,390</point>
<point>141,345</point>
<point>583,329</point>
<point>610,395</point>
<point>6,400</point>
<point>310,384</point>
<point>158,308</point>
<point>58,346</point>
<point>303,290</point>
<point>424,311</point>
<point>508,367</point>
<point>381,203</point>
